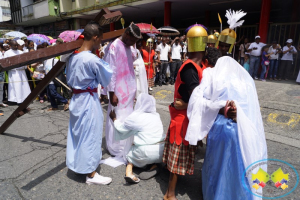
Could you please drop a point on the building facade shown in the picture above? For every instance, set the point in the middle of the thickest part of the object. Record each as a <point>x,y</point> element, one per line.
<point>5,14</point>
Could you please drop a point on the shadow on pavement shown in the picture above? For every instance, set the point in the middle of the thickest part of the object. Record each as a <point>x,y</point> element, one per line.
<point>43,177</point>
<point>191,185</point>
<point>31,139</point>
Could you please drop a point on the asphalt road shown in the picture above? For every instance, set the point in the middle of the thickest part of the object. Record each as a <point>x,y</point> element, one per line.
<point>32,159</point>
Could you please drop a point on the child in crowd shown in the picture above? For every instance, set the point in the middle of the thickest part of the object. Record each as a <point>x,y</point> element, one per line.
<point>265,62</point>
<point>246,62</point>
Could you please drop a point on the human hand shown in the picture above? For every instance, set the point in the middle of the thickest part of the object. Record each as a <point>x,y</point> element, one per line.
<point>113,99</point>
<point>231,112</point>
<point>112,115</point>
<point>179,104</point>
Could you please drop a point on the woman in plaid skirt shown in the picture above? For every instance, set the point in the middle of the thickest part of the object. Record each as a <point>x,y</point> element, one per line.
<point>178,154</point>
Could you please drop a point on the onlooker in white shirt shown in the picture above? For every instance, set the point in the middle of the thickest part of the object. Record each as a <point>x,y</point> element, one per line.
<point>175,61</point>
<point>163,50</point>
<point>286,60</point>
<point>274,51</point>
<point>255,50</point>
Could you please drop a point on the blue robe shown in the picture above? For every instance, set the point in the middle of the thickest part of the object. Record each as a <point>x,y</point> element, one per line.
<point>223,166</point>
<point>84,140</point>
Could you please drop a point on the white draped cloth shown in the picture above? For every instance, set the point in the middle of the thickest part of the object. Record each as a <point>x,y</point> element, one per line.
<point>228,80</point>
<point>120,58</point>
<point>140,75</point>
<point>18,87</point>
<point>298,78</point>
<point>146,127</point>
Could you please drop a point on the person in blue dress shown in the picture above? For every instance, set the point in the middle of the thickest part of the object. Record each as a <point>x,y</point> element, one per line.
<point>84,72</point>
<point>233,142</point>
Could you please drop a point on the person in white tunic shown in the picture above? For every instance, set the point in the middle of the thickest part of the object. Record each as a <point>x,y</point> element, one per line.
<point>122,89</point>
<point>140,72</point>
<point>18,87</point>
<point>145,125</point>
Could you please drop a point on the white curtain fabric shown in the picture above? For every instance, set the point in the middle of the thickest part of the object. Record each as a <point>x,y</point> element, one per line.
<point>228,80</point>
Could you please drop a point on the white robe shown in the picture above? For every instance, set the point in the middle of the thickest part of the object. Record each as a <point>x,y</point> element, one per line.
<point>228,81</point>
<point>84,139</point>
<point>123,84</point>
<point>298,78</point>
<point>140,75</point>
<point>18,87</point>
<point>146,127</point>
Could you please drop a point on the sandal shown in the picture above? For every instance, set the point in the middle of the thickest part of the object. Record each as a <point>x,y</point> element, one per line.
<point>3,105</point>
<point>132,179</point>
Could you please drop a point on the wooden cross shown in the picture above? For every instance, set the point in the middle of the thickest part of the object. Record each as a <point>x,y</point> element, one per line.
<point>103,18</point>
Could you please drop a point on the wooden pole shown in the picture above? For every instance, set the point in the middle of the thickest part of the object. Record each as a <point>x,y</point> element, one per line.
<point>31,97</point>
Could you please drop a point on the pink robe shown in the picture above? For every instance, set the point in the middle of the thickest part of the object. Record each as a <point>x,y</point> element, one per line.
<point>123,83</point>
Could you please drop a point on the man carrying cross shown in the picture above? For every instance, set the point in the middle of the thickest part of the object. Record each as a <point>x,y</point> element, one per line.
<point>84,72</point>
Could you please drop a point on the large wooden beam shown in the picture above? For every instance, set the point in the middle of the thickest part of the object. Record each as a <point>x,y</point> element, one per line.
<point>34,93</point>
<point>51,52</point>
<point>104,17</point>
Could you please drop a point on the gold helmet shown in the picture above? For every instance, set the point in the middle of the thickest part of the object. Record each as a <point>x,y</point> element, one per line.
<point>212,39</point>
<point>197,39</point>
<point>216,34</point>
<point>228,35</point>
<point>150,40</point>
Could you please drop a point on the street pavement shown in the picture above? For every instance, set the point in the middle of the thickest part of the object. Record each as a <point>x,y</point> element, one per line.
<point>33,149</point>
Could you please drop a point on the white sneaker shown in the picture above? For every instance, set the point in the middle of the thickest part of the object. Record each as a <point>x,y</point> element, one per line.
<point>98,180</point>
<point>150,88</point>
<point>255,78</point>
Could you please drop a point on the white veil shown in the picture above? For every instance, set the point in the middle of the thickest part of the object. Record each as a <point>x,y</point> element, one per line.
<point>228,80</point>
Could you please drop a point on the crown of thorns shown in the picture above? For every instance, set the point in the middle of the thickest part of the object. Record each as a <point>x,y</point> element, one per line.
<point>133,33</point>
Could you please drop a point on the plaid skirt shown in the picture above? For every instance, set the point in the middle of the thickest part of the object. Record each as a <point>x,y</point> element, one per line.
<point>151,82</point>
<point>179,158</point>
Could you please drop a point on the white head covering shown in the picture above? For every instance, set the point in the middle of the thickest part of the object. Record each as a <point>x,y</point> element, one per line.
<point>145,104</point>
<point>228,80</point>
<point>20,42</point>
<point>289,41</point>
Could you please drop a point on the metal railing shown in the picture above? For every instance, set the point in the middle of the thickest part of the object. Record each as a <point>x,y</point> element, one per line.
<point>281,32</point>
<point>27,11</point>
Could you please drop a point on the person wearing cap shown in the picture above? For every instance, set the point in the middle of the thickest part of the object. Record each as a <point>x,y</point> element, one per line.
<point>175,61</point>
<point>255,50</point>
<point>21,45</point>
<point>274,51</point>
<point>286,60</point>
<point>178,154</point>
